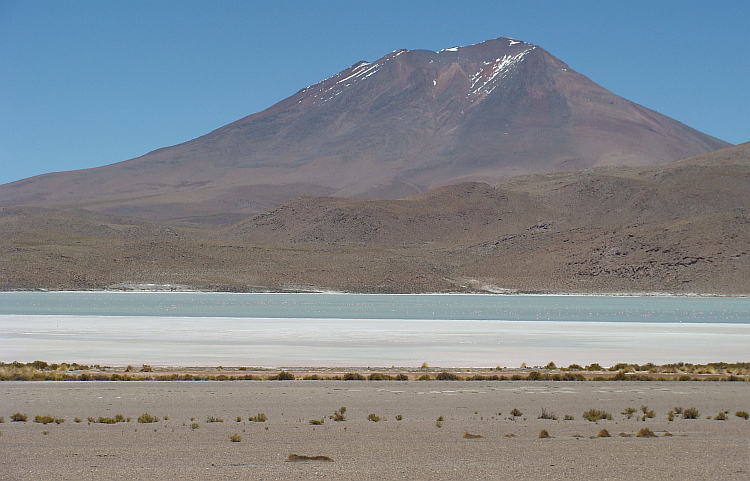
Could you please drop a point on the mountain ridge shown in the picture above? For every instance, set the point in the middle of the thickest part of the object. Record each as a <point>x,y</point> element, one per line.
<point>408,122</point>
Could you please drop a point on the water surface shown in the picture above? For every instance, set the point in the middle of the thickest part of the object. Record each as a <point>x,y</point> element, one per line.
<point>369,330</point>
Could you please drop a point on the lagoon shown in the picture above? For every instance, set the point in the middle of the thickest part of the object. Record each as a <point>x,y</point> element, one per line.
<point>350,330</point>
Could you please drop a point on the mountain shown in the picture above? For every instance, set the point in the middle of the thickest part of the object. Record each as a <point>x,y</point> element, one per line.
<point>409,122</point>
<point>681,227</point>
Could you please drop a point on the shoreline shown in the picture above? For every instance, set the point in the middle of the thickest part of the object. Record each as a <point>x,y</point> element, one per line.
<point>622,372</point>
<point>311,290</point>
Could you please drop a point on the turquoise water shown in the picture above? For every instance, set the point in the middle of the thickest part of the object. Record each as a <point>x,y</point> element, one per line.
<point>375,306</point>
<point>185,329</point>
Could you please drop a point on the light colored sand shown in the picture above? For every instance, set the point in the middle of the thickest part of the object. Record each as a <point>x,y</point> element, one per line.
<point>413,448</point>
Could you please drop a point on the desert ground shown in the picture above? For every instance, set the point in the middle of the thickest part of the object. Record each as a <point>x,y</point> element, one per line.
<point>421,432</point>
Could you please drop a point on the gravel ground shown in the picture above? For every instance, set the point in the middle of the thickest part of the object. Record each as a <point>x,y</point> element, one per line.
<point>410,448</point>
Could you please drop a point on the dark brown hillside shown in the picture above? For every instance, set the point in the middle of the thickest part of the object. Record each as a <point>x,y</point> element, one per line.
<point>682,227</point>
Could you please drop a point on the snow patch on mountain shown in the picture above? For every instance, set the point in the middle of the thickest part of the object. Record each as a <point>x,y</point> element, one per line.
<point>487,78</point>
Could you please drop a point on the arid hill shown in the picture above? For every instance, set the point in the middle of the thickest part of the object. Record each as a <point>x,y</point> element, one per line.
<point>682,227</point>
<point>406,123</point>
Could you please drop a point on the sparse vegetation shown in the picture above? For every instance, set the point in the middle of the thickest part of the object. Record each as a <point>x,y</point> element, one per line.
<point>603,434</point>
<point>119,418</point>
<point>568,417</point>
<point>468,435</point>
<point>295,458</point>
<point>146,418</point>
<point>317,422</point>
<point>354,376</point>
<point>543,434</point>
<point>690,413</point>
<point>645,433</point>
<point>235,438</point>
<point>628,412</point>
<point>258,418</point>
<point>283,376</point>
<point>595,415</point>
<point>194,426</point>
<point>48,419</point>
<point>446,376</point>
<point>439,422</point>
<point>722,416</point>
<point>339,415</point>
<point>516,413</point>
<point>373,417</point>
<point>547,415</point>
<point>399,417</point>
<point>19,418</point>
<point>742,414</point>
<point>209,419</point>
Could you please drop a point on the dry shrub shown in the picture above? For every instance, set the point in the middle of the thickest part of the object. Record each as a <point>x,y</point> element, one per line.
<point>690,413</point>
<point>296,458</point>
<point>146,418</point>
<point>235,438</point>
<point>594,415</point>
<point>603,434</point>
<point>472,436</point>
<point>543,434</point>
<point>645,433</point>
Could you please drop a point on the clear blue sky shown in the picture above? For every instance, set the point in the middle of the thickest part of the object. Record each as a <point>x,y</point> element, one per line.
<point>89,83</point>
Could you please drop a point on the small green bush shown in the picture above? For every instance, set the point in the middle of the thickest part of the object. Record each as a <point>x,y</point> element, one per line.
<point>209,419</point>
<point>425,377</point>
<point>742,414</point>
<point>283,376</point>
<point>399,417</point>
<point>194,426</point>
<point>645,433</point>
<point>595,415</point>
<point>722,416</point>
<point>603,434</point>
<point>373,417</point>
<point>543,434</point>
<point>146,418</point>
<point>628,412</point>
<point>258,418</point>
<point>317,422</point>
<point>19,418</point>
<point>446,376</point>
<point>534,376</point>
<point>43,419</point>
<point>516,413</point>
<point>235,438</point>
<point>690,413</point>
<point>353,376</point>
<point>568,417</point>
<point>439,422</point>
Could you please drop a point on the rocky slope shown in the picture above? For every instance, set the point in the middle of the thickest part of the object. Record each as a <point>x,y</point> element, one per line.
<point>681,227</point>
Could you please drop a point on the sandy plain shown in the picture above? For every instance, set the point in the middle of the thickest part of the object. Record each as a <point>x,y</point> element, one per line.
<point>411,448</point>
